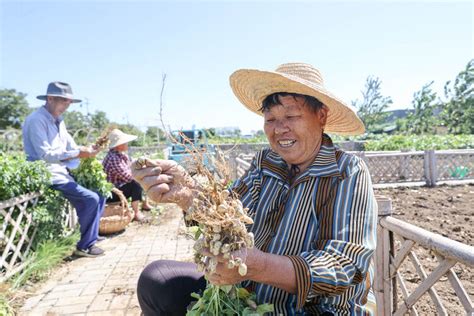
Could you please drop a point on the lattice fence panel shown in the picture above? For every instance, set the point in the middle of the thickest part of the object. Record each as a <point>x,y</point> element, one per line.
<point>428,283</point>
<point>395,168</point>
<point>457,165</point>
<point>16,233</point>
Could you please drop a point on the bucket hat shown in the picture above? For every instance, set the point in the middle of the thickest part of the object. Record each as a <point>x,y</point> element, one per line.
<point>117,137</point>
<point>252,86</point>
<point>59,89</point>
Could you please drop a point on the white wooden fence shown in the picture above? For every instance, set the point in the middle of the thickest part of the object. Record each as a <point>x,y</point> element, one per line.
<point>389,259</point>
<point>17,231</point>
<point>420,167</point>
<point>16,234</point>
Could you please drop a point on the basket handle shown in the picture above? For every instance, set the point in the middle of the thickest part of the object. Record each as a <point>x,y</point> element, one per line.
<point>123,202</point>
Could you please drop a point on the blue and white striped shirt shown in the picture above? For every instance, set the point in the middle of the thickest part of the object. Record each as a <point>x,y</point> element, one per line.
<point>324,220</point>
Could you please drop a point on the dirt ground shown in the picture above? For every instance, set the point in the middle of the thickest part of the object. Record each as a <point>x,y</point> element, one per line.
<point>445,210</point>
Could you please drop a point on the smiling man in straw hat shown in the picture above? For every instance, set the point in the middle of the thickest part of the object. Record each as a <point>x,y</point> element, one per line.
<point>117,167</point>
<point>45,138</point>
<point>312,204</point>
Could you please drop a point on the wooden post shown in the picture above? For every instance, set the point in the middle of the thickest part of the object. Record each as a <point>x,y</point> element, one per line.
<point>382,282</point>
<point>433,167</point>
<point>404,165</point>
<point>429,164</point>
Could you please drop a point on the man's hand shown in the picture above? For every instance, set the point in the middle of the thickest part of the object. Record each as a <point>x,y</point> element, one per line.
<point>164,181</point>
<point>87,152</point>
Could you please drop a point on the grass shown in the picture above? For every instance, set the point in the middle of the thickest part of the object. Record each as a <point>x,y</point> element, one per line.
<point>48,255</point>
<point>5,307</point>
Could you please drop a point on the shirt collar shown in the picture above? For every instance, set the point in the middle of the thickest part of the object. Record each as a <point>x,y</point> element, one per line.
<point>49,116</point>
<point>324,165</point>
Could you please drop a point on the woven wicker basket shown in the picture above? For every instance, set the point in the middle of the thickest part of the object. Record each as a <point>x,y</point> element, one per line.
<point>116,216</point>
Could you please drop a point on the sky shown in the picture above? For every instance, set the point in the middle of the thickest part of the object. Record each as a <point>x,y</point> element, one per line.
<point>114,53</point>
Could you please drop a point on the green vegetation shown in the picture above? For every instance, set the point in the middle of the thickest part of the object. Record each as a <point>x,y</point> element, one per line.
<point>13,108</point>
<point>47,255</point>
<point>5,305</point>
<point>227,300</point>
<point>422,120</point>
<point>50,246</point>
<point>90,174</point>
<point>458,109</point>
<point>371,108</point>
<point>17,176</point>
<point>422,142</point>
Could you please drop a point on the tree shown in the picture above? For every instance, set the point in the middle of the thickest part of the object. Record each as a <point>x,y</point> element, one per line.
<point>155,135</point>
<point>422,120</point>
<point>458,113</point>
<point>132,130</point>
<point>371,108</point>
<point>99,120</point>
<point>75,121</point>
<point>13,108</point>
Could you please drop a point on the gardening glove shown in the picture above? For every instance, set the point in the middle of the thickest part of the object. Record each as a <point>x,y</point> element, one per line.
<point>164,181</point>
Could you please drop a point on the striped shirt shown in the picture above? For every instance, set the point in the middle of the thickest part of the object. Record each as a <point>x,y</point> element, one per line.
<point>324,220</point>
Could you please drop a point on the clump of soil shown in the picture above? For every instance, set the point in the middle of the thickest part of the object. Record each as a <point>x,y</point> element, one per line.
<point>445,210</point>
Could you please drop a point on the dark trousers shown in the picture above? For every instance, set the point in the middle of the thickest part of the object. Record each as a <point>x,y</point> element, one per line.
<point>130,190</point>
<point>89,208</point>
<point>165,287</point>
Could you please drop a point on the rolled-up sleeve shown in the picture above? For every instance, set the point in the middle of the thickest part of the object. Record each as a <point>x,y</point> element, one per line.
<point>345,242</point>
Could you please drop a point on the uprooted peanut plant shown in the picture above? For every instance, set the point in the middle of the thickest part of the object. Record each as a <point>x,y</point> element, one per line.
<point>219,220</point>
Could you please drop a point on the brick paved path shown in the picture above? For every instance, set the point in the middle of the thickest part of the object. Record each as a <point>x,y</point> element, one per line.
<point>107,285</point>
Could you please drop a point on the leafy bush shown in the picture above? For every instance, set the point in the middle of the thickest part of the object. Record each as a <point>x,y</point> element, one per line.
<point>17,176</point>
<point>419,142</point>
<point>90,174</point>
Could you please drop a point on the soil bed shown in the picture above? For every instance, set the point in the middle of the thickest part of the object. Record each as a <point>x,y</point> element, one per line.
<point>445,210</point>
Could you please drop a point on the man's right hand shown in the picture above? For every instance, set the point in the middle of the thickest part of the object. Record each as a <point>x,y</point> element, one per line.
<point>87,152</point>
<point>164,181</point>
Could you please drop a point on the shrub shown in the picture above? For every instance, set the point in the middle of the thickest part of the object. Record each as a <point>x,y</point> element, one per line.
<point>18,177</point>
<point>420,142</point>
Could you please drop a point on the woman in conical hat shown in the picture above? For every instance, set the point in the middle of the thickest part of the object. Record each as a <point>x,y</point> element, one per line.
<point>117,167</point>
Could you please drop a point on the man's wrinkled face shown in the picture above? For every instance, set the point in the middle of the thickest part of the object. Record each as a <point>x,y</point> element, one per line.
<point>58,105</point>
<point>294,131</point>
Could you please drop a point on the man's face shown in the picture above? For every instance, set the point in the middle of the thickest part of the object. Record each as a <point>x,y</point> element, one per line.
<point>294,131</point>
<point>58,105</point>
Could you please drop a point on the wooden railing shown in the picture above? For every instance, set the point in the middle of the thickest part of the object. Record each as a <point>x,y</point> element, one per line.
<point>388,261</point>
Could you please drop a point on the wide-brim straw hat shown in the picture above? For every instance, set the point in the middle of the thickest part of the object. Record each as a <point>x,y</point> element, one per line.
<point>117,138</point>
<point>59,89</point>
<point>252,86</point>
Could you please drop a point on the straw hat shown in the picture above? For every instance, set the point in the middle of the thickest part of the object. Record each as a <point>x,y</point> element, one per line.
<point>117,137</point>
<point>252,86</point>
<point>59,89</point>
